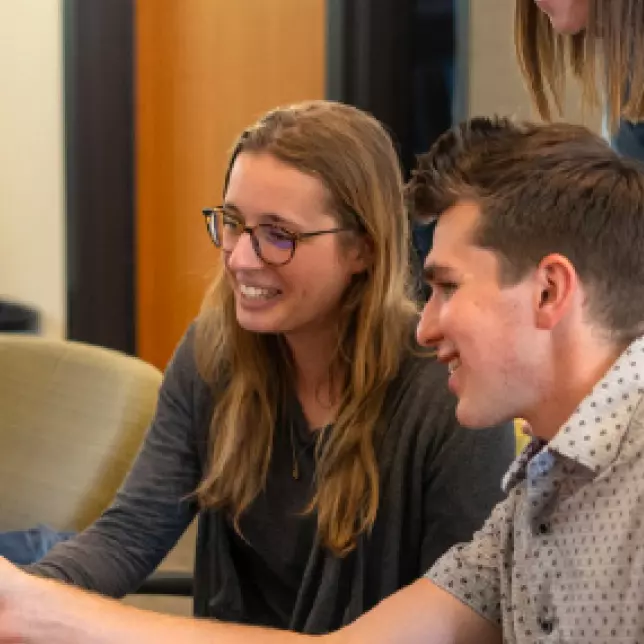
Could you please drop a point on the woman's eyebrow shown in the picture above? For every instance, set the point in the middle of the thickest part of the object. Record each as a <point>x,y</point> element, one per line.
<point>228,205</point>
<point>276,218</point>
<point>271,217</point>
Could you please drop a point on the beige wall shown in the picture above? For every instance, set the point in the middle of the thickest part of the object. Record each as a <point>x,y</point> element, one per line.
<point>495,85</point>
<point>31,158</point>
<point>31,134</point>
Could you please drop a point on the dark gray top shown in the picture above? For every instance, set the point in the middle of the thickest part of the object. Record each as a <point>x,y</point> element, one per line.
<point>438,484</point>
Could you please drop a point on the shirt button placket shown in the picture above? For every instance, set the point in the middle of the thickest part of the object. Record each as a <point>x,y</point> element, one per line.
<point>544,528</point>
<point>547,625</point>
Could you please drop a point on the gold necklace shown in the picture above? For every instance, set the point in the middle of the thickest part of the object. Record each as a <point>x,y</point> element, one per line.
<point>295,472</point>
<point>296,465</point>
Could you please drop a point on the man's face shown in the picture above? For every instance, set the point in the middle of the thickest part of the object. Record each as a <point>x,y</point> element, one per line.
<point>484,331</point>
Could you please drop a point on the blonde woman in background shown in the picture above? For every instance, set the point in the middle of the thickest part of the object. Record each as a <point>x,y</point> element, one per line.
<point>602,43</point>
<point>297,417</point>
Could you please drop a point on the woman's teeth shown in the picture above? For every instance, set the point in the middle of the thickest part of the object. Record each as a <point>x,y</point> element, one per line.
<point>257,292</point>
<point>453,365</point>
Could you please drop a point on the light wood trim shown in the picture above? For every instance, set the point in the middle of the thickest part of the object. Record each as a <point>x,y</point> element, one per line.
<point>205,69</point>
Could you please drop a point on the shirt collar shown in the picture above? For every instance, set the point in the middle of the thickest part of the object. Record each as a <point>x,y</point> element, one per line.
<point>517,471</point>
<point>592,436</point>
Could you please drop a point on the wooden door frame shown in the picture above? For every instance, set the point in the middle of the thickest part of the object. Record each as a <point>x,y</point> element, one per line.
<point>98,83</point>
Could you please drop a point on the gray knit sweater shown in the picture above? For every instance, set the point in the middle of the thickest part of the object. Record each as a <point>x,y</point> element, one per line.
<point>438,483</point>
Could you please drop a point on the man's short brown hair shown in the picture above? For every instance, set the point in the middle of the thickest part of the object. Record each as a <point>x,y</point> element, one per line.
<point>546,189</point>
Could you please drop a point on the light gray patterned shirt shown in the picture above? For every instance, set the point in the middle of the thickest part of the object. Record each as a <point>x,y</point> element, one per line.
<point>562,558</point>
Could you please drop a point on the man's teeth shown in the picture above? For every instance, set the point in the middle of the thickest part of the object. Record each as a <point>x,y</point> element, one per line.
<point>257,291</point>
<point>453,365</point>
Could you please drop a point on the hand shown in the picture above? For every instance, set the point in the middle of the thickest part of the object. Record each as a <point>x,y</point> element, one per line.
<point>11,578</point>
<point>14,585</point>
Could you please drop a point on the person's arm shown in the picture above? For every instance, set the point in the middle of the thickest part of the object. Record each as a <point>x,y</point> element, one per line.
<point>458,602</point>
<point>421,613</point>
<point>41,611</point>
<point>150,511</point>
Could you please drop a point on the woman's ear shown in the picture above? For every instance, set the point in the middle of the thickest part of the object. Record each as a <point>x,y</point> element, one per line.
<point>361,253</point>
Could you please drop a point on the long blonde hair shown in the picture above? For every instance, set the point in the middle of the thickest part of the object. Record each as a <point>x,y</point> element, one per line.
<point>353,156</point>
<point>608,54</point>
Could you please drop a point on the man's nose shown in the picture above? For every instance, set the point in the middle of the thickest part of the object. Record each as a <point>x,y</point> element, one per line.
<point>428,333</point>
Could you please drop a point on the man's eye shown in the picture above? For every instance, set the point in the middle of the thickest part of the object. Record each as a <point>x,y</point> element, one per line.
<point>446,288</point>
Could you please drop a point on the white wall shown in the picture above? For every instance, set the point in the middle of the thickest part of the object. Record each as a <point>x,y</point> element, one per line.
<point>495,85</point>
<point>32,267</point>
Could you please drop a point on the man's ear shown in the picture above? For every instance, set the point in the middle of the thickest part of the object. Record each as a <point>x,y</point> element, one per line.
<point>556,285</point>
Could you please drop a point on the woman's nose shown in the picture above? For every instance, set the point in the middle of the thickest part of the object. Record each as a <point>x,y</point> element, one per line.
<point>243,255</point>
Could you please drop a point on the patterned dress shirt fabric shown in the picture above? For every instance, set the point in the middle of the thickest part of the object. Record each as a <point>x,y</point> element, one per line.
<point>562,558</point>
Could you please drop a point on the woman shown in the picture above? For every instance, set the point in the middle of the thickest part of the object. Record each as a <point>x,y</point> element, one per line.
<point>603,43</point>
<point>296,418</point>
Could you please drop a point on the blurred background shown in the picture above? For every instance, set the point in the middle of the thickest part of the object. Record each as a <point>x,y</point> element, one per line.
<point>117,116</point>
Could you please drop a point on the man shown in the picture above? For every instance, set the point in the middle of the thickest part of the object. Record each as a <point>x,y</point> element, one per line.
<point>538,311</point>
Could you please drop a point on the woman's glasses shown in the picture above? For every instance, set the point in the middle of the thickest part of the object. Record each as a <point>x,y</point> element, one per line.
<point>272,244</point>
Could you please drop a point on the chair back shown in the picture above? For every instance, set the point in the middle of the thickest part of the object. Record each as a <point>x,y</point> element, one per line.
<point>72,418</point>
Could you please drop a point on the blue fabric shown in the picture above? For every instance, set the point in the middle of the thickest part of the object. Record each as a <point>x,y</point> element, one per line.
<point>26,547</point>
<point>422,237</point>
<point>629,140</point>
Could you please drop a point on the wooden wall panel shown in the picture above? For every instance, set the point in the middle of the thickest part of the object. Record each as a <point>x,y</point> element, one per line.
<point>204,70</point>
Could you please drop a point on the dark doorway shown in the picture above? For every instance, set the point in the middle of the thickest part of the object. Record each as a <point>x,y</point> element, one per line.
<point>398,60</point>
<point>99,159</point>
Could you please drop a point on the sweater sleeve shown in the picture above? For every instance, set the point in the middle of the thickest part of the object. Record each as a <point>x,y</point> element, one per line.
<point>150,512</point>
<point>462,479</point>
